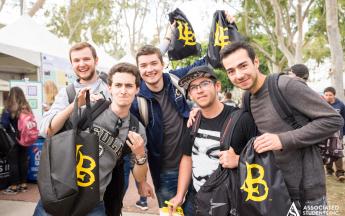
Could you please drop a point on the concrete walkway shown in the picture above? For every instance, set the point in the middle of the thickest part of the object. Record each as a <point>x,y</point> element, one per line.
<point>16,208</point>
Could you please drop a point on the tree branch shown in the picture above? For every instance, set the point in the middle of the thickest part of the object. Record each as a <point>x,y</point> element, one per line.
<point>38,5</point>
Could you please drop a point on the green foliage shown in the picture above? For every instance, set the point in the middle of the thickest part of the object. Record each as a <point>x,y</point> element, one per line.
<point>316,37</point>
<point>82,17</point>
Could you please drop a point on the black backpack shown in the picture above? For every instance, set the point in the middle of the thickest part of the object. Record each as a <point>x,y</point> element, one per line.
<point>218,195</point>
<point>330,149</point>
<point>114,193</point>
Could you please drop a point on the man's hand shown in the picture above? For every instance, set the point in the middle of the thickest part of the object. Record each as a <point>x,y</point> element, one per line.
<point>82,96</point>
<point>267,142</point>
<point>228,159</point>
<point>136,144</point>
<point>96,97</point>
<point>175,201</point>
<point>144,189</point>
<point>192,115</point>
<point>229,17</point>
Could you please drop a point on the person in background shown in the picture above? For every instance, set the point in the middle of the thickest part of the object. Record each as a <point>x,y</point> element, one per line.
<point>50,91</point>
<point>17,157</point>
<point>329,95</point>
<point>299,70</point>
<point>228,101</point>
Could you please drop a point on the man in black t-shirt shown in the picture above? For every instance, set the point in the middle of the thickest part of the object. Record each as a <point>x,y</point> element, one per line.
<point>202,155</point>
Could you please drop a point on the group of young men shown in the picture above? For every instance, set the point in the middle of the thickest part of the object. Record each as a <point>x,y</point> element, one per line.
<point>175,158</point>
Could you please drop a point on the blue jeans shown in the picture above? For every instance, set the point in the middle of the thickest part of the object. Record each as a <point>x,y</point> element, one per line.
<point>127,170</point>
<point>168,188</point>
<point>99,210</point>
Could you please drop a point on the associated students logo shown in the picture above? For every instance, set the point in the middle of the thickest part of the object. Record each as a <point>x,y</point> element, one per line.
<point>85,165</point>
<point>254,184</point>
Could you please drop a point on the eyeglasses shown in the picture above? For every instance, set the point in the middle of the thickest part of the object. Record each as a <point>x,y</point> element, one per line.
<point>203,85</point>
<point>117,127</point>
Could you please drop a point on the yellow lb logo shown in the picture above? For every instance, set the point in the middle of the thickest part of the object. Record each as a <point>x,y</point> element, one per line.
<point>251,185</point>
<point>220,39</point>
<point>185,34</point>
<point>82,172</point>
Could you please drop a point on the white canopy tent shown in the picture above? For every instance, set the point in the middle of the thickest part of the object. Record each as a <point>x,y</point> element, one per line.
<point>23,42</point>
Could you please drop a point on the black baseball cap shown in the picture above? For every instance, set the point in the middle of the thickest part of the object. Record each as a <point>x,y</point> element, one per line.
<point>196,73</point>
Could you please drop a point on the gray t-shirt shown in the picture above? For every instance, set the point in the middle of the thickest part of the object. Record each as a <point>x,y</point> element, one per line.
<point>110,150</point>
<point>61,101</point>
<point>173,127</point>
<point>299,161</point>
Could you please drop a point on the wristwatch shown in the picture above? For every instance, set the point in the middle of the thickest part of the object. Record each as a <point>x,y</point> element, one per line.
<point>142,160</point>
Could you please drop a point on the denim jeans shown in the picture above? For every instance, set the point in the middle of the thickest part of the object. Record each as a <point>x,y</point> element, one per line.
<point>168,189</point>
<point>316,207</point>
<point>127,170</point>
<point>99,210</point>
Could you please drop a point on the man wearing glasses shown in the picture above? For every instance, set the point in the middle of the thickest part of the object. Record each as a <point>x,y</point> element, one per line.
<point>112,128</point>
<point>203,150</point>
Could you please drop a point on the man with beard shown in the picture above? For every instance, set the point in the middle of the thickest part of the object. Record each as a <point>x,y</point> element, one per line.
<point>202,154</point>
<point>84,59</point>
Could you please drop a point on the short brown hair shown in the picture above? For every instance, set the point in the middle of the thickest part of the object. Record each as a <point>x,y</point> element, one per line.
<point>80,46</point>
<point>124,68</point>
<point>329,89</point>
<point>149,50</point>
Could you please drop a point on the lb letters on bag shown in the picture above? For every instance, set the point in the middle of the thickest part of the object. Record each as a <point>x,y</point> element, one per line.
<point>68,178</point>
<point>262,187</point>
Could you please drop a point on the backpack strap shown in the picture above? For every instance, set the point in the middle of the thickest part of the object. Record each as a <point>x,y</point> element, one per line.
<point>196,124</point>
<point>246,102</point>
<point>143,110</point>
<point>174,80</point>
<point>70,93</point>
<point>279,103</point>
<point>229,127</point>
<point>99,107</point>
<point>133,126</point>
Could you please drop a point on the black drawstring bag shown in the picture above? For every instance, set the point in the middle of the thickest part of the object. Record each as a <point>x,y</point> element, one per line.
<point>222,33</point>
<point>262,187</point>
<point>68,178</point>
<point>183,41</point>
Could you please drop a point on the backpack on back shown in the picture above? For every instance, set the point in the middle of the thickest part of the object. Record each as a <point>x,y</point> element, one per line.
<point>142,102</point>
<point>331,148</point>
<point>218,195</point>
<point>27,127</point>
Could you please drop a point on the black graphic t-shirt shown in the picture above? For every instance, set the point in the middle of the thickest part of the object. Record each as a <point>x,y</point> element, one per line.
<point>206,146</point>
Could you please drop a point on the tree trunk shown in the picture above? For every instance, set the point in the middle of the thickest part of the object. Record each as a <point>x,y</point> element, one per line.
<point>2,3</point>
<point>337,55</point>
<point>38,5</point>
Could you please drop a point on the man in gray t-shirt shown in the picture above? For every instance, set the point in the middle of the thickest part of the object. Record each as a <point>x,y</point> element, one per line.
<point>296,152</point>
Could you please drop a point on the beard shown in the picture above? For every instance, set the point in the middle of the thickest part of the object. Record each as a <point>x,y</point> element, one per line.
<point>88,77</point>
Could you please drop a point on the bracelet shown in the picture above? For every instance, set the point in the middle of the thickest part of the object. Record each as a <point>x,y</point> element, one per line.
<point>141,160</point>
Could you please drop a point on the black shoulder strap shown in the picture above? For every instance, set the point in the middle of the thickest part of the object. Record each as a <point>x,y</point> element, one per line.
<point>99,107</point>
<point>196,124</point>
<point>229,127</point>
<point>70,93</point>
<point>133,126</point>
<point>279,102</point>
<point>246,102</point>
<point>133,123</point>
